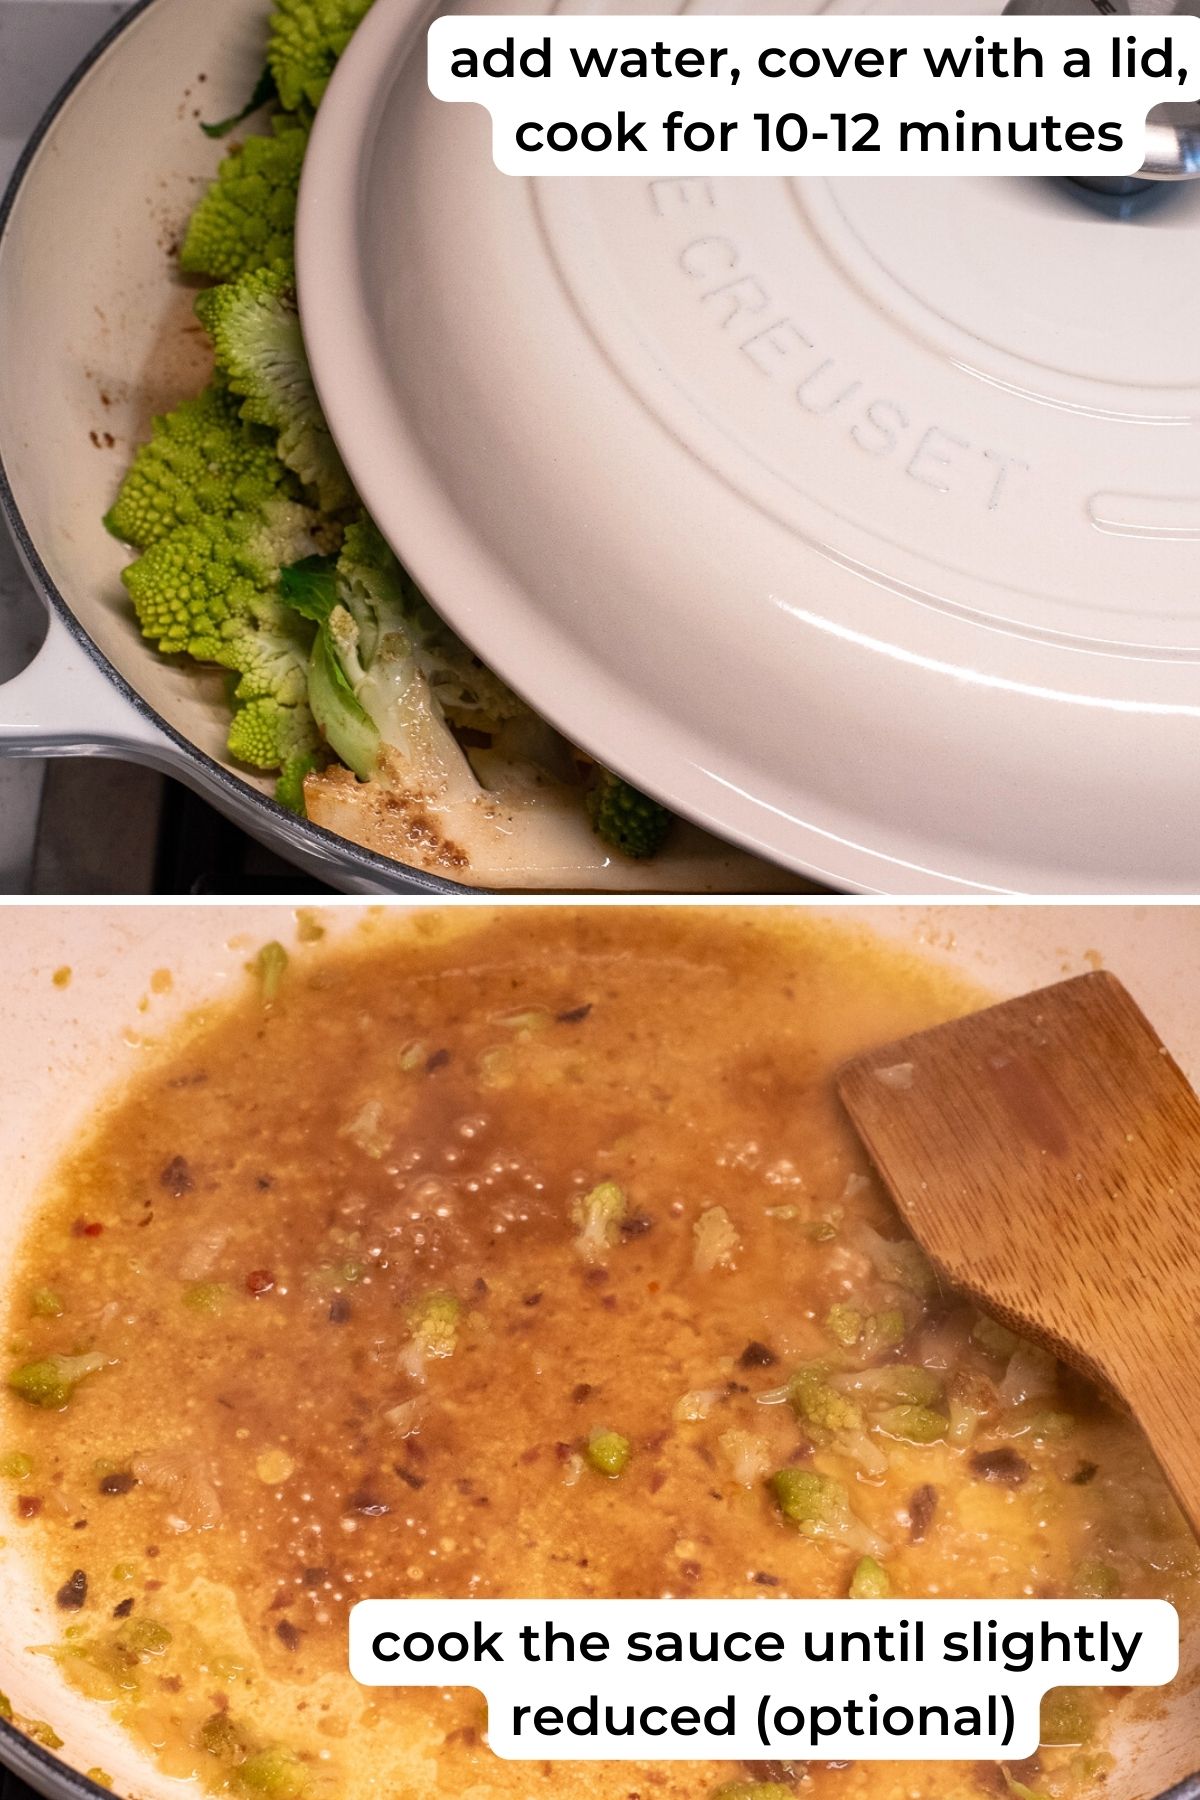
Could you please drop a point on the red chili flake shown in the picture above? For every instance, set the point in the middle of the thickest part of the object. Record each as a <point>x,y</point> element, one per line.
<point>756,1356</point>
<point>414,1481</point>
<point>313,1577</point>
<point>339,1310</point>
<point>29,1506</point>
<point>288,1635</point>
<point>531,1454</point>
<point>637,1226</point>
<point>761,1578</point>
<point>86,1228</point>
<point>437,1061</point>
<point>575,1016</point>
<point>123,1608</point>
<point>1085,1473</point>
<point>921,1508</point>
<point>73,1592</point>
<point>532,1300</point>
<point>177,1177</point>
<point>260,1281</point>
<point>583,1391</point>
<point>690,1571</point>
<point>170,1684</point>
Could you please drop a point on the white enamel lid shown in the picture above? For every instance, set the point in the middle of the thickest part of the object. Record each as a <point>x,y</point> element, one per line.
<point>859,520</point>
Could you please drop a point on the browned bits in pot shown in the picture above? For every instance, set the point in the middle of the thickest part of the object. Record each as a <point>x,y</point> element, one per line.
<point>121,1482</point>
<point>999,1465</point>
<point>73,1592</point>
<point>368,1504</point>
<point>757,1356</point>
<point>177,1177</point>
<point>636,1226</point>
<point>921,1508</point>
<point>259,1281</point>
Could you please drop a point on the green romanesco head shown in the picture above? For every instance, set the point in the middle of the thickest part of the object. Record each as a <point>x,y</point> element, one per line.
<point>819,1404</point>
<point>307,37</point>
<point>201,462</point>
<point>255,330</point>
<point>266,735</point>
<point>247,218</point>
<point>625,819</point>
<point>190,584</point>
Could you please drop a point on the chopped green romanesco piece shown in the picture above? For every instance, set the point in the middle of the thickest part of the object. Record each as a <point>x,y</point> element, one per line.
<point>307,38</point>
<point>626,819</point>
<point>816,1503</point>
<point>819,1404</point>
<point>271,1775</point>
<point>915,1424</point>
<point>270,965</point>
<point>44,1303</point>
<point>16,1466</point>
<point>844,1324</point>
<point>1095,1580</point>
<point>997,1339</point>
<point>434,1321</point>
<point>608,1453</point>
<point>1067,1717</point>
<point>247,218</point>
<point>869,1581</point>
<point>51,1380</point>
<point>597,1217</point>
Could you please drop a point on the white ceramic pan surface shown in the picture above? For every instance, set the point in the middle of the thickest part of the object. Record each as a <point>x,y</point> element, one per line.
<point>858,519</point>
<point>63,1048</point>
<point>96,336</point>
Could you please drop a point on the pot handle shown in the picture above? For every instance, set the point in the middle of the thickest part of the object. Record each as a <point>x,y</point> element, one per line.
<point>63,704</point>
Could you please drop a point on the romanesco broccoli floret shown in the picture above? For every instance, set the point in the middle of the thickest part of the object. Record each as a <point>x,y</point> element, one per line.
<point>627,820</point>
<point>202,461</point>
<point>247,218</point>
<point>307,37</point>
<point>255,330</point>
<point>819,1404</point>
<point>192,582</point>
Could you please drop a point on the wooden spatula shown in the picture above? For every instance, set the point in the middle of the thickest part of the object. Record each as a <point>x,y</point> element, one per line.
<point>1046,1155</point>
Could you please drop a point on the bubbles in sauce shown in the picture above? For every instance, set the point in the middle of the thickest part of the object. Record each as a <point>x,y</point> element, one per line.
<point>525,1258</point>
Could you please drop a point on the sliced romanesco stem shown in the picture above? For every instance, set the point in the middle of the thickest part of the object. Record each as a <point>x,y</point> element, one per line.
<point>597,1218</point>
<point>307,37</point>
<point>202,461</point>
<point>255,330</point>
<point>247,219</point>
<point>627,820</point>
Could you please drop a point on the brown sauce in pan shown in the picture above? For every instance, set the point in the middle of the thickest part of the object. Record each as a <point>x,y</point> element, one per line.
<point>272,1236</point>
